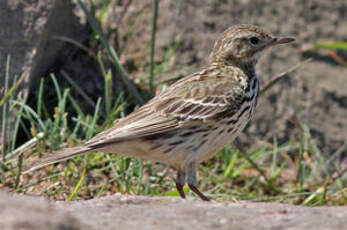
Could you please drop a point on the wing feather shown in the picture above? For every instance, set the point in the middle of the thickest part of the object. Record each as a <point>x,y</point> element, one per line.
<point>199,97</point>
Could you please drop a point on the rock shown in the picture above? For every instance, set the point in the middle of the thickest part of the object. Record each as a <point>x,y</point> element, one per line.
<point>133,212</point>
<point>142,212</point>
<point>27,30</point>
<point>33,213</point>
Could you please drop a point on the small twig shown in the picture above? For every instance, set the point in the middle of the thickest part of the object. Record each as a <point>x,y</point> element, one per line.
<point>24,147</point>
<point>76,43</point>
<point>78,88</point>
<point>336,57</point>
<point>339,173</point>
<point>280,76</point>
<point>124,10</point>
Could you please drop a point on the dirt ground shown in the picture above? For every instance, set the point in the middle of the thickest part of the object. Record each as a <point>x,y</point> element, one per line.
<point>316,95</point>
<point>132,212</point>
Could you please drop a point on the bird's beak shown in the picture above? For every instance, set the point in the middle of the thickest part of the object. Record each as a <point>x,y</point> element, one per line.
<point>281,40</point>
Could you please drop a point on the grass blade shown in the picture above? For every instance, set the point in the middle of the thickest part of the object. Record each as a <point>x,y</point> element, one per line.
<point>78,88</point>
<point>4,110</point>
<point>13,89</point>
<point>331,45</point>
<point>154,30</point>
<point>108,92</point>
<point>280,76</point>
<point>78,186</point>
<point>113,55</point>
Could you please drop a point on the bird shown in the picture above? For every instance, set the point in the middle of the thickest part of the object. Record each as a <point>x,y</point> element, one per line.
<point>195,117</point>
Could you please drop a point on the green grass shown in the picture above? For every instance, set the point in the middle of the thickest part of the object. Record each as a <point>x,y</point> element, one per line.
<point>294,172</point>
<point>328,48</point>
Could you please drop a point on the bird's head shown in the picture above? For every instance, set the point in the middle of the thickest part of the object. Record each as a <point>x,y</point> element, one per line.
<point>243,44</point>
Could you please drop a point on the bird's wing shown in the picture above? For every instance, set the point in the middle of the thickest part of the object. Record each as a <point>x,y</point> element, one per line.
<point>197,99</point>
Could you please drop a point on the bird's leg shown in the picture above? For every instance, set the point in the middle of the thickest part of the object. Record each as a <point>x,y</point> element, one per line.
<point>192,181</point>
<point>180,181</point>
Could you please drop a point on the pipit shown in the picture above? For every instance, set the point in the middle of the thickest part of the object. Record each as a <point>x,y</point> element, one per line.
<point>195,117</point>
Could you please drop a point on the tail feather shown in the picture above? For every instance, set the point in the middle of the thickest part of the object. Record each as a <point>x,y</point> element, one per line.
<point>59,156</point>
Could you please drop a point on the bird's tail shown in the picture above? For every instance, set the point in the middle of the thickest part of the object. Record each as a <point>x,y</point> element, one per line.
<point>59,156</point>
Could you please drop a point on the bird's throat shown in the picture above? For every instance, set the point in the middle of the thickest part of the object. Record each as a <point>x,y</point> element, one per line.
<point>249,69</point>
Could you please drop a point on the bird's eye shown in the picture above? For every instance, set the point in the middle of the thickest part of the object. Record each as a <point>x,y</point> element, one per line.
<point>254,40</point>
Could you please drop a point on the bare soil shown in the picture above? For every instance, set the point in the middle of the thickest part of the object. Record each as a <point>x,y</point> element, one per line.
<point>316,95</point>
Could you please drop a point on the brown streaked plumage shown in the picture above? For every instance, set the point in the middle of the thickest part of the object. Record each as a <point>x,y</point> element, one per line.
<point>195,117</point>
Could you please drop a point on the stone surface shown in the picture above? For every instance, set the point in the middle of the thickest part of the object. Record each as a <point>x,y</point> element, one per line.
<point>27,36</point>
<point>33,213</point>
<point>140,212</point>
